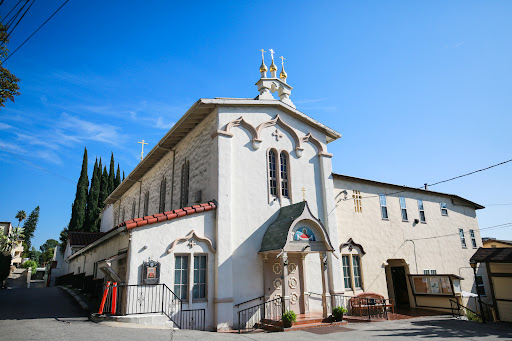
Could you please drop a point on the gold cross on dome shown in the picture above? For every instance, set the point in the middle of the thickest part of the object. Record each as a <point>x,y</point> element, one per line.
<point>272,53</point>
<point>282,61</point>
<point>262,54</point>
<point>303,194</point>
<point>142,152</point>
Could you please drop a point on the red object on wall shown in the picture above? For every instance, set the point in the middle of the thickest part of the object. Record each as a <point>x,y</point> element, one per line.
<point>114,298</point>
<point>105,293</point>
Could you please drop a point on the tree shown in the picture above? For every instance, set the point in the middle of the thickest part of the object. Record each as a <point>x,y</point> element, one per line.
<point>104,187</point>
<point>117,180</point>
<point>123,175</point>
<point>63,238</point>
<point>92,212</point>
<point>111,175</point>
<point>29,228</point>
<point>8,82</point>
<point>49,244</point>
<point>7,243</point>
<point>21,215</point>
<point>78,211</point>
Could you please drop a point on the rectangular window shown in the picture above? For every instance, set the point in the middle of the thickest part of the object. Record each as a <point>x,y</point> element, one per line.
<point>422,211</point>
<point>480,288</point>
<point>383,207</point>
<point>181,276</point>
<point>429,272</point>
<point>357,271</point>
<point>444,208</point>
<point>346,272</point>
<point>403,208</point>
<point>462,238</point>
<point>199,290</point>
<point>473,239</point>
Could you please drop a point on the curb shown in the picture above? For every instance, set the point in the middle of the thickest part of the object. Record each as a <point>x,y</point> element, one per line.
<point>76,297</point>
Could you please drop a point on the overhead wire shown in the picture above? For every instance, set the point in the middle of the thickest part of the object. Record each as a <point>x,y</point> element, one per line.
<point>58,9</point>
<point>12,30</point>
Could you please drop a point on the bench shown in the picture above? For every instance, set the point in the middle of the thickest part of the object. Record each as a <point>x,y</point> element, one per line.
<point>370,304</point>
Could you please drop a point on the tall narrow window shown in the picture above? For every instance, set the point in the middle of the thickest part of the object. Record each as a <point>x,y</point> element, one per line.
<point>444,208</point>
<point>185,168</point>
<point>480,287</point>
<point>146,204</point>
<point>473,239</point>
<point>346,272</point>
<point>284,174</point>
<point>383,206</point>
<point>181,276</point>
<point>422,211</point>
<point>403,208</point>
<point>462,238</point>
<point>163,189</point>
<point>133,210</point>
<point>356,266</point>
<point>199,290</point>
<point>358,206</point>
<point>272,175</point>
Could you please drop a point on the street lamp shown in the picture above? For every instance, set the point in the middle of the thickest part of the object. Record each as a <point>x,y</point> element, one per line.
<point>473,266</point>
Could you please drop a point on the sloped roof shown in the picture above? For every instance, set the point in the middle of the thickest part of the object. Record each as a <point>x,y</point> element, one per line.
<point>492,255</point>
<point>82,238</point>
<point>277,233</point>
<point>156,218</point>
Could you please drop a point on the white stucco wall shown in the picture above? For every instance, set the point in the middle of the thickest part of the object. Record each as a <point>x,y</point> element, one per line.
<point>389,239</point>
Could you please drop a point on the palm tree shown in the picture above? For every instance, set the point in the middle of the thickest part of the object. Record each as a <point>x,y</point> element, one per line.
<point>21,215</point>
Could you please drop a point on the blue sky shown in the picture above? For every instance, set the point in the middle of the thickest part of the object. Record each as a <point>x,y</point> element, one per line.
<point>419,90</point>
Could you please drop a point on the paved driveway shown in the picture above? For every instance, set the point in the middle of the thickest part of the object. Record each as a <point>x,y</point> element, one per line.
<point>51,314</point>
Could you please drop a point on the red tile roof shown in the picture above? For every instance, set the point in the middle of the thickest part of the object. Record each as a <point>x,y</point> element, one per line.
<point>157,218</point>
<point>81,238</point>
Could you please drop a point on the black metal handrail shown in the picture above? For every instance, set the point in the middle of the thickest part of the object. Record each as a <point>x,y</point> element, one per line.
<point>265,314</point>
<point>254,299</point>
<point>462,310</point>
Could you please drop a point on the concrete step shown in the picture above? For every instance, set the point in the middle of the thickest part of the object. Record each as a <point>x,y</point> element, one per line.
<point>314,325</point>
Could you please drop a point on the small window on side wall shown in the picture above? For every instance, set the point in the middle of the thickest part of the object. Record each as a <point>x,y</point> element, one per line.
<point>403,209</point>
<point>462,238</point>
<point>444,208</point>
<point>422,211</point>
<point>383,207</point>
<point>473,239</point>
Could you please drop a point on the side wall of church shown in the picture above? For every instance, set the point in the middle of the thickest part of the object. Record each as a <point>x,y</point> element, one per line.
<point>154,242</point>
<point>196,148</point>
<point>252,208</point>
<point>417,244</point>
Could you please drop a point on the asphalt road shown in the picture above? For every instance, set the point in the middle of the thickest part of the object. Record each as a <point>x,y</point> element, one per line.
<point>51,314</point>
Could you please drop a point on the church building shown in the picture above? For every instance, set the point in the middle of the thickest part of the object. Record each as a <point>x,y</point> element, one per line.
<point>238,204</point>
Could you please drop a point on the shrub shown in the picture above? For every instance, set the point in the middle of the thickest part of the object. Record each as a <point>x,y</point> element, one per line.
<point>289,317</point>
<point>30,264</point>
<point>338,312</point>
<point>5,266</point>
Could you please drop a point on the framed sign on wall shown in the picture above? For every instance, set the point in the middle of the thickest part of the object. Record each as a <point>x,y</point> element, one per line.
<point>150,272</point>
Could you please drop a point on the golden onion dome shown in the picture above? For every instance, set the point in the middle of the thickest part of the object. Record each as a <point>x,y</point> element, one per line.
<point>273,66</point>
<point>283,74</point>
<point>263,67</point>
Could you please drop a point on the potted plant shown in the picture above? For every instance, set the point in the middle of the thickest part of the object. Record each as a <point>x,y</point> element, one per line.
<point>337,313</point>
<point>288,318</point>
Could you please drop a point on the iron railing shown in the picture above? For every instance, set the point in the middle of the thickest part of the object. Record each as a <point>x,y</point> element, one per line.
<point>458,310</point>
<point>135,299</point>
<point>266,314</point>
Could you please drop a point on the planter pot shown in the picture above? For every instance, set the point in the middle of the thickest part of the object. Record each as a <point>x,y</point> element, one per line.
<point>287,323</point>
<point>337,318</point>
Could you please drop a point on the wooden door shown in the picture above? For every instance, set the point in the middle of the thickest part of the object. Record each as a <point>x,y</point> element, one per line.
<point>295,284</point>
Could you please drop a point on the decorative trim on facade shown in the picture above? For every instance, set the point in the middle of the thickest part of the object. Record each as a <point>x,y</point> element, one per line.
<point>256,134</point>
<point>157,218</point>
<point>224,300</point>
<point>351,244</point>
<point>192,235</point>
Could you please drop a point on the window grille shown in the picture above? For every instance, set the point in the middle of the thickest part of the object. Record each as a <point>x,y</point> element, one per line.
<point>422,211</point>
<point>181,277</point>
<point>358,205</point>
<point>284,175</point>
<point>199,290</point>
<point>383,206</point>
<point>272,175</point>
<point>403,209</point>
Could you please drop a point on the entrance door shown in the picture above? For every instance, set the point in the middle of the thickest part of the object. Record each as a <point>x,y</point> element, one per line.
<point>275,282</point>
<point>400,286</point>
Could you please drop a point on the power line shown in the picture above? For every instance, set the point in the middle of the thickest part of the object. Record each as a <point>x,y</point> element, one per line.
<point>58,9</point>
<point>12,30</point>
<point>36,166</point>
<point>498,204</point>
<point>500,226</point>
<point>437,183</point>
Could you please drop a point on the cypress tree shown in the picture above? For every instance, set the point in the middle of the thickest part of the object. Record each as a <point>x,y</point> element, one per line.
<point>123,175</point>
<point>104,187</point>
<point>100,168</point>
<point>92,212</point>
<point>111,175</point>
<point>117,180</point>
<point>78,212</point>
<point>28,229</point>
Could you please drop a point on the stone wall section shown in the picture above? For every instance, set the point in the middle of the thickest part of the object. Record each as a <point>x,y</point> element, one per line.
<point>196,148</point>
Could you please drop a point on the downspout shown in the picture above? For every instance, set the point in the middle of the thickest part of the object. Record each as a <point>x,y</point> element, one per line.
<point>415,259</point>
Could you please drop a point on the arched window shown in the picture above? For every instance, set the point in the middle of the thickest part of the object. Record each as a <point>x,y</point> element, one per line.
<point>283,158</point>
<point>272,174</point>
<point>133,210</point>
<point>146,204</point>
<point>163,189</point>
<point>122,215</point>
